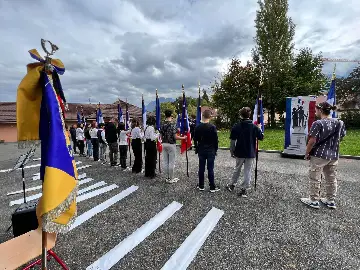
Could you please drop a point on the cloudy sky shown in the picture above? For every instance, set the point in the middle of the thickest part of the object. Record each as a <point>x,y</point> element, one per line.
<point>125,48</point>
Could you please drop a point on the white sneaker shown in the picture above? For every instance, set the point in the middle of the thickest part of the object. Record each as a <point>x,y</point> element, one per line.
<point>174,180</point>
<point>309,202</point>
<point>330,204</point>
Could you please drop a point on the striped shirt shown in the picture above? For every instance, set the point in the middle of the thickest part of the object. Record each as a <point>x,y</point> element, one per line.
<point>328,132</point>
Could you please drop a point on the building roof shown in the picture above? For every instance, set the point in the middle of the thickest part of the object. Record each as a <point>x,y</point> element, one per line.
<point>8,111</point>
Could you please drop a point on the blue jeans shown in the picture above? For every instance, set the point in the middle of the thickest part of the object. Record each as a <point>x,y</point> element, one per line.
<point>89,148</point>
<point>209,158</point>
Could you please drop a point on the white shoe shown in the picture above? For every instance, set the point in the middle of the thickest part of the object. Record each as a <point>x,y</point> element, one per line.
<point>174,180</point>
<point>309,202</point>
<point>330,204</point>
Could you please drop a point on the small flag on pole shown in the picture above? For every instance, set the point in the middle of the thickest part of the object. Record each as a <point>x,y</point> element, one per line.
<point>258,109</point>
<point>120,114</point>
<point>198,111</point>
<point>143,113</point>
<point>331,96</point>
<point>185,127</point>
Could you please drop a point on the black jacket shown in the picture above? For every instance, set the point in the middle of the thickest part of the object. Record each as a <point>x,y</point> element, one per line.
<point>111,133</point>
<point>73,133</point>
<point>206,138</point>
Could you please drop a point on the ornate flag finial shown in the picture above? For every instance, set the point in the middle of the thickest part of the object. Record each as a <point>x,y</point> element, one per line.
<point>183,88</point>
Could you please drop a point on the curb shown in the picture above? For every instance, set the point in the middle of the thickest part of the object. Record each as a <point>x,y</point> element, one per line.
<point>281,152</point>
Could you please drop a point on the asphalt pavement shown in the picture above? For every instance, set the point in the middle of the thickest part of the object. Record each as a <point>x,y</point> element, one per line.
<point>271,229</point>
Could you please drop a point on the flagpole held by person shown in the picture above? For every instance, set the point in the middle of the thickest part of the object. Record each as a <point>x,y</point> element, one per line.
<point>185,131</point>
<point>40,116</point>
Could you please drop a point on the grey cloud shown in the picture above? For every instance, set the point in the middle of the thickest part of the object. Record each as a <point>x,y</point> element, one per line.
<point>128,48</point>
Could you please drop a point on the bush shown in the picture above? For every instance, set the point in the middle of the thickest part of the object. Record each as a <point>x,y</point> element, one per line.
<point>351,119</point>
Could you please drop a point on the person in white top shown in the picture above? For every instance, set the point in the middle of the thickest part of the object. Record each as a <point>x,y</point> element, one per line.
<point>123,144</point>
<point>102,143</point>
<point>80,138</point>
<point>150,137</point>
<point>136,138</point>
<point>94,140</point>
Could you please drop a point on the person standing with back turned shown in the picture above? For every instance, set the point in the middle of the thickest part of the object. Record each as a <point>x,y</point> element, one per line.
<point>169,136</point>
<point>323,152</point>
<point>112,140</point>
<point>243,148</point>
<point>206,145</point>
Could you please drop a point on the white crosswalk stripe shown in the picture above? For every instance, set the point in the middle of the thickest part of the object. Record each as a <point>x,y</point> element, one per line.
<point>192,244</point>
<point>118,252</point>
<point>101,207</point>
<point>79,199</point>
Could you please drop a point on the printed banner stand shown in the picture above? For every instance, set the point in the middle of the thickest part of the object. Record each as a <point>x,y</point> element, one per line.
<point>300,115</point>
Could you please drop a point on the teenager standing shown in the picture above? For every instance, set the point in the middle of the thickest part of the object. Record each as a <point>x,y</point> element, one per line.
<point>102,143</point>
<point>243,148</point>
<point>136,138</point>
<point>206,145</point>
<point>89,149</point>
<point>73,137</point>
<point>94,141</point>
<point>80,138</point>
<point>169,136</point>
<point>150,137</point>
<point>112,140</point>
<point>323,153</point>
<point>123,144</point>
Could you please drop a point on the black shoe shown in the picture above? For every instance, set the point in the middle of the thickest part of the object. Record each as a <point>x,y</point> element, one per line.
<point>214,189</point>
<point>200,188</point>
<point>243,193</point>
<point>230,187</point>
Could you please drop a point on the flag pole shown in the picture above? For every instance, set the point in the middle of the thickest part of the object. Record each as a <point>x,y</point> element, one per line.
<point>127,123</point>
<point>48,70</point>
<point>158,128</point>
<point>186,150</point>
<point>257,141</point>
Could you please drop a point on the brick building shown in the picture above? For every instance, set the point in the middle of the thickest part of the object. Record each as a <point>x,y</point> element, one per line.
<point>8,131</point>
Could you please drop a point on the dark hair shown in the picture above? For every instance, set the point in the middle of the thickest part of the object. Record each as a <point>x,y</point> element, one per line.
<point>101,125</point>
<point>121,126</point>
<point>168,113</point>
<point>151,120</point>
<point>135,123</point>
<point>245,112</point>
<point>325,108</point>
<point>207,114</point>
<point>79,125</point>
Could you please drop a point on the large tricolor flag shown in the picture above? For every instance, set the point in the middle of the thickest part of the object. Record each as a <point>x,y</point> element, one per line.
<point>120,114</point>
<point>157,112</point>
<point>143,113</point>
<point>99,116</point>
<point>258,110</point>
<point>39,115</point>
<point>185,127</point>
<point>331,96</point>
<point>198,111</point>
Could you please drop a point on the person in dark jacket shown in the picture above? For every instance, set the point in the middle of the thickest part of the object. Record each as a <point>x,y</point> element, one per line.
<point>73,137</point>
<point>244,136</point>
<point>112,140</point>
<point>206,145</point>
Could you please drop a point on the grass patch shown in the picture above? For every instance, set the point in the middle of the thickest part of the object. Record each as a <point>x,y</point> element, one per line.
<point>274,140</point>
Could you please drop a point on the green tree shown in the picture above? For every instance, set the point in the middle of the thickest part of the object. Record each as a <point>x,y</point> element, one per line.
<point>307,71</point>
<point>273,52</point>
<point>348,90</point>
<point>236,89</point>
<point>167,106</point>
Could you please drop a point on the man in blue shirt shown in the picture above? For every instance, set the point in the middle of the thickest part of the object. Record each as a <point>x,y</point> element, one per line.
<point>243,148</point>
